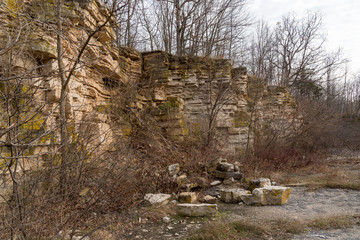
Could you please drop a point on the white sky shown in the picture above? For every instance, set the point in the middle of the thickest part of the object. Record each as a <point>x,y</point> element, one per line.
<point>341,21</point>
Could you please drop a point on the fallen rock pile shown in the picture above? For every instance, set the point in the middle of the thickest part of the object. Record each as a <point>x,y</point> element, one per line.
<point>193,204</point>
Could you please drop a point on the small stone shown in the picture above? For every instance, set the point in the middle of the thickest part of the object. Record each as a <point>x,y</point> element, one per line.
<point>173,202</point>
<point>210,199</point>
<point>174,169</point>
<point>158,198</point>
<point>166,219</point>
<point>237,166</point>
<point>197,210</point>
<point>145,230</point>
<point>187,197</point>
<point>211,167</point>
<point>214,183</point>
<point>181,179</point>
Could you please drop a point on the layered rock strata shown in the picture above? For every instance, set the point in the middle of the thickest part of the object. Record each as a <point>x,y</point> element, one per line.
<point>193,98</point>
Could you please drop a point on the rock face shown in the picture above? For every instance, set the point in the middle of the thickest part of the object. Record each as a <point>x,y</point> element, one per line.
<point>197,210</point>
<point>179,91</point>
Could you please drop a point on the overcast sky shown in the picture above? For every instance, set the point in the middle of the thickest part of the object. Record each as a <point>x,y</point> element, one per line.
<point>341,21</point>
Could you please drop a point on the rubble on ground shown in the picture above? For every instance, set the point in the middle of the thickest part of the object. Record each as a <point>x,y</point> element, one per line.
<point>193,203</point>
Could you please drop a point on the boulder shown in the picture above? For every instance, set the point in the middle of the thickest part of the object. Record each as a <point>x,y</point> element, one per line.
<point>225,167</point>
<point>197,210</point>
<point>187,197</point>
<point>174,169</point>
<point>259,183</point>
<point>275,195</point>
<point>158,198</point>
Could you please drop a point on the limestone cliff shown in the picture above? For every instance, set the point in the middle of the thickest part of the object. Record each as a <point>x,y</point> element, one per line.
<point>191,97</point>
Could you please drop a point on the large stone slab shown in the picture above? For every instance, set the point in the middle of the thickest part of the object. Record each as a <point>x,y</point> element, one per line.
<point>275,195</point>
<point>197,210</point>
<point>157,198</point>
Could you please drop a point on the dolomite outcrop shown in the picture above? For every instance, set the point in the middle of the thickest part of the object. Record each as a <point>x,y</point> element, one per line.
<point>184,93</point>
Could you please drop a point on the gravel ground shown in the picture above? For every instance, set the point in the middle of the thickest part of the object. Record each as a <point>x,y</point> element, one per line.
<point>302,205</point>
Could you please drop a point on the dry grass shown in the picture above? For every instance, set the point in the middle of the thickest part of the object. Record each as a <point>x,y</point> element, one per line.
<point>277,229</point>
<point>314,176</point>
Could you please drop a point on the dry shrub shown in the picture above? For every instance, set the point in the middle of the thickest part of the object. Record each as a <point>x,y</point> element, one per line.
<point>325,129</point>
<point>278,160</point>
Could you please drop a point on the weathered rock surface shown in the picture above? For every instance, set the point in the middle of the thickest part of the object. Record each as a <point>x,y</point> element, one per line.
<point>226,175</point>
<point>197,210</point>
<point>259,183</point>
<point>175,89</point>
<point>210,199</point>
<point>271,195</point>
<point>187,197</point>
<point>275,195</point>
<point>225,167</point>
<point>232,195</point>
<point>174,169</point>
<point>254,198</point>
<point>214,183</point>
<point>157,198</point>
